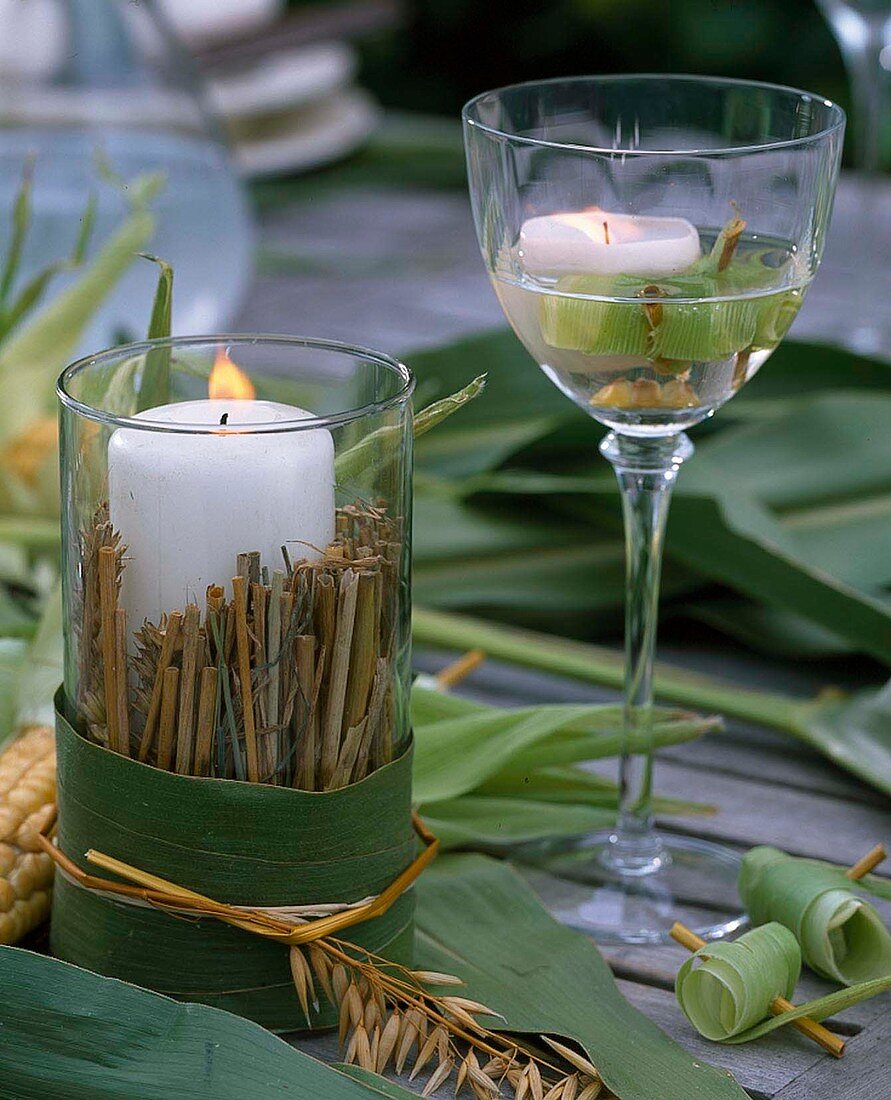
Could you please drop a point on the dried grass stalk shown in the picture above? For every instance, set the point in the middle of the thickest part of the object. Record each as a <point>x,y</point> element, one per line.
<point>303,661</point>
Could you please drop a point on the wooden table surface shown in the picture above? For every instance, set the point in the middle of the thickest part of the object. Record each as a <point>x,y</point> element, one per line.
<point>401,270</point>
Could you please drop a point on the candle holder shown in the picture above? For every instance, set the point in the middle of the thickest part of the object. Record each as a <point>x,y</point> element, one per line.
<point>235,712</point>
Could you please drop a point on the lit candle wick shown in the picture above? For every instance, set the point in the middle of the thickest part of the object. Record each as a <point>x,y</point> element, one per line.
<point>606,232</point>
<point>224,419</point>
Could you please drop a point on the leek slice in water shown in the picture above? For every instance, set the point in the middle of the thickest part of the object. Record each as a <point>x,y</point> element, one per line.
<point>841,934</point>
<point>725,988</point>
<point>724,312</point>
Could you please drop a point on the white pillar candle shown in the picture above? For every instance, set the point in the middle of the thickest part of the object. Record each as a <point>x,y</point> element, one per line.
<point>187,504</point>
<point>595,242</point>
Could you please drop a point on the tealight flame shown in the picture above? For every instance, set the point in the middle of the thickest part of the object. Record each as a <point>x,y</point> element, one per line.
<point>227,380</point>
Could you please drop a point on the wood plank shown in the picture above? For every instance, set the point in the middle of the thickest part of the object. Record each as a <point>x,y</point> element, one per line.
<point>863,1073</point>
<point>762,1068</point>
<point>752,812</point>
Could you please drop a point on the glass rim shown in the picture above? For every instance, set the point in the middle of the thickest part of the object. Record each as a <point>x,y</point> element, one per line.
<point>309,423</point>
<point>837,113</point>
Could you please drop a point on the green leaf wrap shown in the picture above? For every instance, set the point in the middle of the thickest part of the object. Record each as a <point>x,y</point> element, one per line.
<point>725,988</point>
<point>242,843</point>
<point>841,935</point>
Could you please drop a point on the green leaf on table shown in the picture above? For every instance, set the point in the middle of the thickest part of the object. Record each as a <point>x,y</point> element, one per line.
<point>69,1032</point>
<point>483,820</point>
<point>854,732</point>
<point>490,559</point>
<point>768,629</point>
<point>454,755</point>
<point>732,538</point>
<point>477,919</point>
<point>721,531</point>
<point>570,784</point>
<point>16,621</point>
<point>476,821</point>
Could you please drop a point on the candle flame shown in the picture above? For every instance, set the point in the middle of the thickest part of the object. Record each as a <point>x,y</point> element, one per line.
<point>227,380</point>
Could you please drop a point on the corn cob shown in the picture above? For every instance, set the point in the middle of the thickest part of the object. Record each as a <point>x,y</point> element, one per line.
<point>27,806</point>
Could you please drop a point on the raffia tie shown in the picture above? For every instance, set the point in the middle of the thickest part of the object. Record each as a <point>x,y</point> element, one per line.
<point>286,924</point>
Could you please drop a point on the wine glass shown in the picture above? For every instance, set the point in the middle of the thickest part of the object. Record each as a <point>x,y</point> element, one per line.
<point>650,239</point>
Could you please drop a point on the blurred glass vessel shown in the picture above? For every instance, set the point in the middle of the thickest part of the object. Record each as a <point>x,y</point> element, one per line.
<point>83,81</point>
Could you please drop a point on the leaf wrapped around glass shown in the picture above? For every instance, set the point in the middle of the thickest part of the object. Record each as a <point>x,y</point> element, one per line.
<point>650,239</point>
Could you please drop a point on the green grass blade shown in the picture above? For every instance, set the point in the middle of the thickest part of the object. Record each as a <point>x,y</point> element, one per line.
<point>374,447</point>
<point>154,385</point>
<point>820,1009</point>
<point>21,218</point>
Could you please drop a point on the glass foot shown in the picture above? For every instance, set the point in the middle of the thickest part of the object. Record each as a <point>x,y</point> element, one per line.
<point>693,881</point>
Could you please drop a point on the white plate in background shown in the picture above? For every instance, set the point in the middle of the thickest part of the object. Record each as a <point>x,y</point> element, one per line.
<point>279,81</point>
<point>313,136</point>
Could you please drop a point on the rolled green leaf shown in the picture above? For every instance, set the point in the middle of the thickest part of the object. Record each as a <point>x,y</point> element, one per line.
<point>725,988</point>
<point>841,935</point>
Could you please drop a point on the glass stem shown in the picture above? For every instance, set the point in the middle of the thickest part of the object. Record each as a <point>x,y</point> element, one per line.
<point>646,470</point>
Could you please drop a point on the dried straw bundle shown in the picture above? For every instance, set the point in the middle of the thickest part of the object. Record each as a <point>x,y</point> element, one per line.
<point>289,682</point>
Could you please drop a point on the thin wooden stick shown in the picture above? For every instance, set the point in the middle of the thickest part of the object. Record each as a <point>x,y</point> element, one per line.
<point>108,599</point>
<point>821,1036</point>
<point>274,646</point>
<point>122,685</point>
<point>362,654</point>
<point>167,722</point>
<point>340,666</point>
<point>349,753</point>
<point>242,642</point>
<point>168,648</point>
<point>185,736</point>
<point>867,863</point>
<point>455,672</point>
<point>306,676</point>
<point>259,597</point>
<point>207,709</point>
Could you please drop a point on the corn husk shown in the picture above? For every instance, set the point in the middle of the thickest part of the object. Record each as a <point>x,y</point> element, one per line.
<point>725,988</point>
<point>841,934</point>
